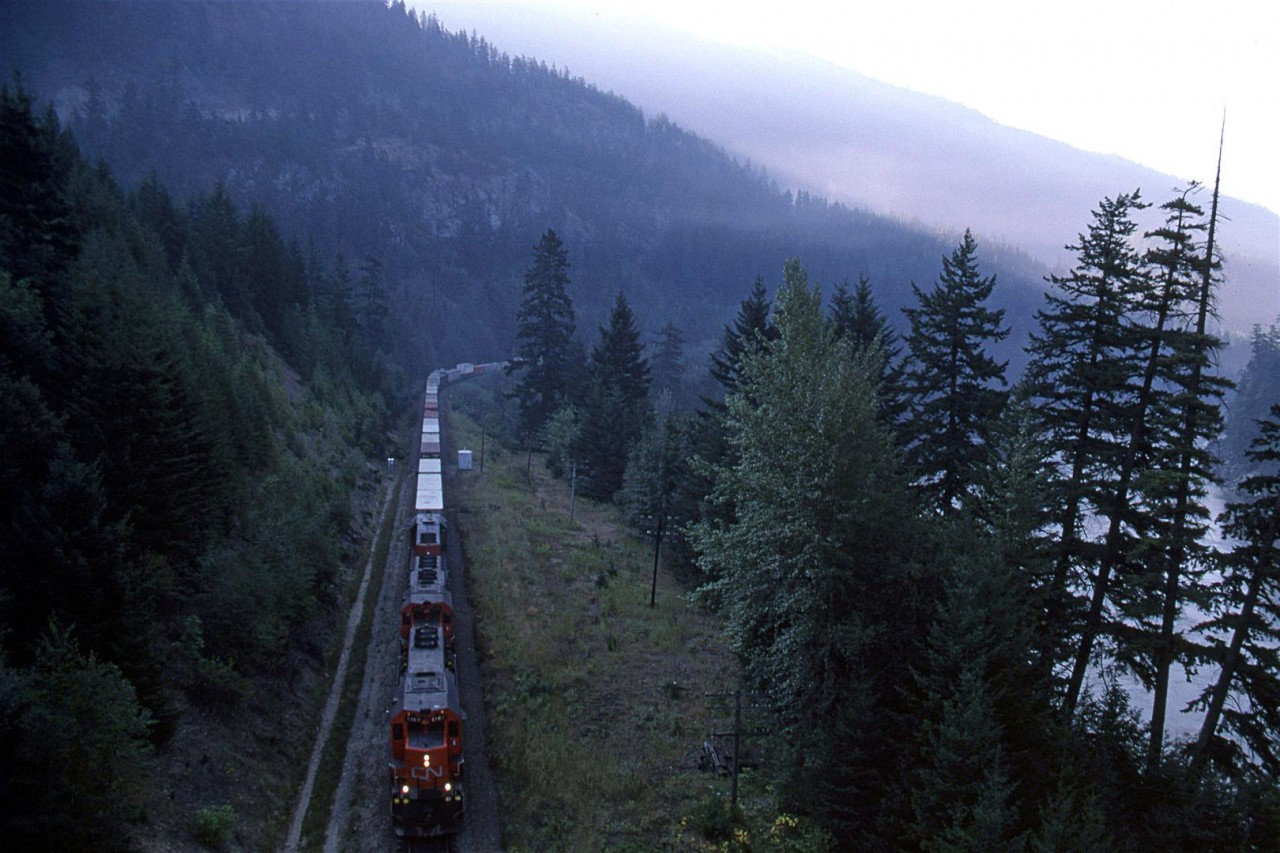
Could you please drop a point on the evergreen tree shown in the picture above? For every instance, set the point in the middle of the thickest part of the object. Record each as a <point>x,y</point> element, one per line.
<point>270,280</point>
<point>813,566</point>
<point>1188,419</point>
<point>1257,391</point>
<point>951,379</point>
<point>1128,499</point>
<point>750,329</point>
<point>76,742</point>
<point>616,406</point>
<point>39,237</point>
<point>667,365</point>
<point>1247,612</point>
<point>857,317</point>
<point>650,494</point>
<point>217,253</point>
<point>964,793</point>
<point>545,326</point>
<point>1082,359</point>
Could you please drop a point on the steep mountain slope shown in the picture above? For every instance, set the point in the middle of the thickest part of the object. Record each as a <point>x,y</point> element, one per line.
<point>854,139</point>
<point>373,132</point>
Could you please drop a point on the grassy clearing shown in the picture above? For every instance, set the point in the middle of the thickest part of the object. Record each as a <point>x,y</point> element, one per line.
<point>596,704</point>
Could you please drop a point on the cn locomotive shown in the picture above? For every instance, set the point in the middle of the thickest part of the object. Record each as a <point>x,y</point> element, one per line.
<point>426,767</point>
<point>426,764</point>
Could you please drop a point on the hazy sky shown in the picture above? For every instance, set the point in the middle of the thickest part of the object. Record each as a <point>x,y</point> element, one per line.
<point>1145,79</point>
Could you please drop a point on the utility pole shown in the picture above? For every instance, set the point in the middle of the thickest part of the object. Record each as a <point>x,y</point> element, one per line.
<point>738,733</point>
<point>737,742</point>
<point>657,545</point>
<point>573,490</point>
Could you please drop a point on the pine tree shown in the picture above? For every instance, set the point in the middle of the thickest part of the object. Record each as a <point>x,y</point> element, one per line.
<point>812,567</point>
<point>82,790</point>
<point>616,405</point>
<point>952,380</point>
<point>545,325</point>
<point>1191,418</point>
<point>38,235</point>
<point>1257,391</point>
<point>650,495</point>
<point>750,329</point>
<point>1248,613</point>
<point>1128,499</point>
<point>1082,359</point>
<point>270,282</point>
<point>975,688</point>
<point>218,252</point>
<point>667,365</point>
<point>857,317</point>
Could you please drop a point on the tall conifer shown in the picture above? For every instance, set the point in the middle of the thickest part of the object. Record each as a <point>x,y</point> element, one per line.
<point>811,562</point>
<point>1247,615</point>
<point>616,406</point>
<point>952,382</point>
<point>1082,359</point>
<point>545,325</point>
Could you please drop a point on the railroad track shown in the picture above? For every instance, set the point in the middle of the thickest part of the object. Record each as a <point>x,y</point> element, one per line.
<point>443,844</point>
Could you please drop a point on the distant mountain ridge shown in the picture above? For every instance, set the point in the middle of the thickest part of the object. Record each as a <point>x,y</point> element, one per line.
<point>373,132</point>
<point>850,138</point>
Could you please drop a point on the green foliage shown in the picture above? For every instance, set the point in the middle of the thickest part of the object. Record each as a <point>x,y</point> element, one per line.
<point>651,491</point>
<point>951,378</point>
<point>159,456</point>
<point>545,333</point>
<point>1081,358</point>
<point>1256,392</point>
<point>77,740</point>
<point>1247,613</point>
<point>985,706</point>
<point>713,818</point>
<point>816,560</point>
<point>749,332</point>
<point>668,369</point>
<point>559,439</point>
<point>857,317</point>
<point>615,404</point>
<point>216,824</point>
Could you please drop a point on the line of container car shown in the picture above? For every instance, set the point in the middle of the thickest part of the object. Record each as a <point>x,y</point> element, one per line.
<point>426,767</point>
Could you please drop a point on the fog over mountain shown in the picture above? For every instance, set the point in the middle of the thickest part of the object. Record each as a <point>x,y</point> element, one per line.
<point>856,140</point>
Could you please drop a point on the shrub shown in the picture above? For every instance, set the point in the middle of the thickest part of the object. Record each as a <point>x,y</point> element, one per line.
<point>214,824</point>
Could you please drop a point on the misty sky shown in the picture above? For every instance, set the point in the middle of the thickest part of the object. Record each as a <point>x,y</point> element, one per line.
<point>1145,79</point>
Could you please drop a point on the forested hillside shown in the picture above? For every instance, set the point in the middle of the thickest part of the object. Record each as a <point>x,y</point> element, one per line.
<point>957,521</point>
<point>376,132</point>
<point>186,407</point>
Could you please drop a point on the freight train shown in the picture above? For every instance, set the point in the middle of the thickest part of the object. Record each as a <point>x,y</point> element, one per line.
<point>426,767</point>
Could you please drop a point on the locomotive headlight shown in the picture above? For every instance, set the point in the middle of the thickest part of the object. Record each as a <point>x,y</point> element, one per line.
<point>404,789</point>
<point>448,786</point>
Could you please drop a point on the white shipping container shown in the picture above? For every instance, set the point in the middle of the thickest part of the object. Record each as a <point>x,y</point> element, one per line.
<point>430,494</point>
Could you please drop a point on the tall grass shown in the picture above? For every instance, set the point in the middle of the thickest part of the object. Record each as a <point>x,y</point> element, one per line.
<point>596,705</point>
